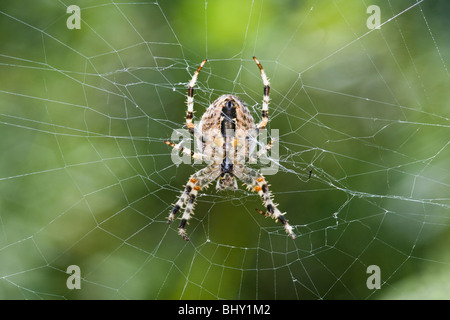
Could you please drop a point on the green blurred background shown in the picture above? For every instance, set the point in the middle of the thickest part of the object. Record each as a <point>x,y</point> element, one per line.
<point>86,180</point>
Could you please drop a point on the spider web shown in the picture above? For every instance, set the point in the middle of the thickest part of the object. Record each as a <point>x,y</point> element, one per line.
<point>363,175</point>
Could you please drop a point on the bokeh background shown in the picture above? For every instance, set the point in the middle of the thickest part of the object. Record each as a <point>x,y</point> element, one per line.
<point>86,180</point>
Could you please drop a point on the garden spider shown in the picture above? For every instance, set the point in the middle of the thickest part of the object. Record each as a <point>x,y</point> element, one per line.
<point>227,135</point>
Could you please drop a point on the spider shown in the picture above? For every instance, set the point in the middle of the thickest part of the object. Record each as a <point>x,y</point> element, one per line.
<point>227,135</point>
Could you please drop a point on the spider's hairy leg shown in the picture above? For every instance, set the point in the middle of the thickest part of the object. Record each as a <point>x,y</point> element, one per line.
<point>265,105</point>
<point>200,179</point>
<point>256,182</point>
<point>187,151</point>
<point>261,152</point>
<point>190,98</point>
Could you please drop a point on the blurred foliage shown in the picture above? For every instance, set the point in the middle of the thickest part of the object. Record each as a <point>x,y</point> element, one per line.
<point>85,178</point>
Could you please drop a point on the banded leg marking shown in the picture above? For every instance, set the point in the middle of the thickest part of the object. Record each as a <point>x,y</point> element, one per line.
<point>197,181</point>
<point>190,98</point>
<point>265,105</point>
<point>256,182</point>
<point>187,151</point>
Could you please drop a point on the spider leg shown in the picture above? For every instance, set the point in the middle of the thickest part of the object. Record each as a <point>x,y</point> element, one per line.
<point>261,152</point>
<point>200,179</point>
<point>256,182</point>
<point>265,105</point>
<point>187,151</point>
<point>190,98</point>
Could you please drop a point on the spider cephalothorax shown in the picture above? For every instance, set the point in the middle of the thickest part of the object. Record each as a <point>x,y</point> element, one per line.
<point>227,136</point>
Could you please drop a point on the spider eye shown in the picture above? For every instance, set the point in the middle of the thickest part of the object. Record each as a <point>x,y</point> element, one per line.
<point>229,109</point>
<point>229,104</point>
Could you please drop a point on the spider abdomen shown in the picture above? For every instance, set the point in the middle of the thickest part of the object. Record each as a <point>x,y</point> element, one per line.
<point>227,128</point>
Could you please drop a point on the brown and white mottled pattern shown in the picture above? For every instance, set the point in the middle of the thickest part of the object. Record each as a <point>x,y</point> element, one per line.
<point>240,144</point>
